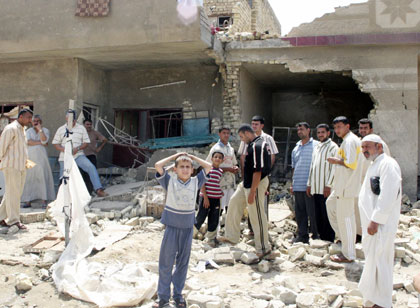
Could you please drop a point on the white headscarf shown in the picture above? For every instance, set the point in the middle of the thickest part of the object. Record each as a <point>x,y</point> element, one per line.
<point>373,138</point>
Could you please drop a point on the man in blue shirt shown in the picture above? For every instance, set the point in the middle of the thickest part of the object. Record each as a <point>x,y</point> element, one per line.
<point>301,165</point>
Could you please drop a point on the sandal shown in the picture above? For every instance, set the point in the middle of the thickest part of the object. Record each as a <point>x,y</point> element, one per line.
<point>340,259</point>
<point>20,225</point>
<point>180,303</point>
<point>3,223</point>
<point>161,304</point>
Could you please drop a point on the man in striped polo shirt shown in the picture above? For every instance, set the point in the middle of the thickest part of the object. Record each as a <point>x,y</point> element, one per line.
<point>304,203</point>
<point>320,180</point>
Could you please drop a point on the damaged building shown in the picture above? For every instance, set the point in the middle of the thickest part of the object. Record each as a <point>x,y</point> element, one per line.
<point>142,70</point>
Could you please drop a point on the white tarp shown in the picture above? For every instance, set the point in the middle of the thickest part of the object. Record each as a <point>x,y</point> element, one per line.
<point>106,285</point>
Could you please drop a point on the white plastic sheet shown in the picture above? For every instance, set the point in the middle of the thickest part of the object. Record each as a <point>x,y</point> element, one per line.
<point>187,11</point>
<point>106,285</point>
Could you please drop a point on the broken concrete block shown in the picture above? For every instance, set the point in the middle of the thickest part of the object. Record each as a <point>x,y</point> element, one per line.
<point>249,258</point>
<point>263,296</point>
<point>317,261</point>
<point>260,303</point>
<point>276,304</point>
<point>201,299</point>
<point>307,299</point>
<point>408,286</point>
<point>224,258</point>
<point>287,266</point>
<point>318,252</point>
<point>353,301</point>
<point>288,296</point>
<point>398,284</point>
<point>319,244</point>
<point>23,283</point>
<point>264,266</point>
<point>216,304</point>
<point>133,221</point>
<point>298,255</point>
<point>43,274</point>
<point>237,254</point>
<point>399,252</point>
<point>92,218</point>
<point>338,302</point>
<point>360,254</point>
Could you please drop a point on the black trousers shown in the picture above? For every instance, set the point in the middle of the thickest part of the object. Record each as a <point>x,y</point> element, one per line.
<point>85,176</point>
<point>326,232</point>
<point>212,213</point>
<point>305,209</point>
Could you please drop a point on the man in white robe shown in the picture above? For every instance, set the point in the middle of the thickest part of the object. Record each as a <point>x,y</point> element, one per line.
<point>379,205</point>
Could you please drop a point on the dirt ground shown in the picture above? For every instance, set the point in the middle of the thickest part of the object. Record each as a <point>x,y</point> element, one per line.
<point>234,284</point>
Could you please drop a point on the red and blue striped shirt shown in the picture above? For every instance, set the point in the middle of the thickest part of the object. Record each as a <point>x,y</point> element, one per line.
<point>212,186</point>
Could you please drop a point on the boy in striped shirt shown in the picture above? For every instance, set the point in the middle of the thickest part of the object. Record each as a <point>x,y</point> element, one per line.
<point>211,193</point>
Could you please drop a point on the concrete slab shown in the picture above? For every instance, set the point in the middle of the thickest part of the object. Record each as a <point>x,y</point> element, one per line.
<point>107,206</point>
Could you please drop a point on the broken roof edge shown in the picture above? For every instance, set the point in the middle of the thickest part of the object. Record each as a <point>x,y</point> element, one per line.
<point>370,17</point>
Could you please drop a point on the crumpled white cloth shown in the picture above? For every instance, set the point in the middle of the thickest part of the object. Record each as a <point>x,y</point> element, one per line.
<point>106,285</point>
<point>188,10</point>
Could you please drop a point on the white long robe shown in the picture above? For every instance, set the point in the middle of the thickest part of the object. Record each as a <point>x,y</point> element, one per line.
<point>376,282</point>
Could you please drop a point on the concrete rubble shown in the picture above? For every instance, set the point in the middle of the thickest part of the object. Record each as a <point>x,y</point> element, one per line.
<point>288,277</point>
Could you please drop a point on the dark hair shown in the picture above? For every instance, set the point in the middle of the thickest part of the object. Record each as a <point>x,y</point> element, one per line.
<point>73,112</point>
<point>341,119</point>
<point>366,121</point>
<point>87,120</point>
<point>245,128</point>
<point>217,152</point>
<point>323,125</point>
<point>25,110</point>
<point>303,124</point>
<point>258,118</point>
<point>224,128</point>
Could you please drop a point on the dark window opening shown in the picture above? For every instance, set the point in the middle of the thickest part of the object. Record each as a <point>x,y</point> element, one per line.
<point>224,21</point>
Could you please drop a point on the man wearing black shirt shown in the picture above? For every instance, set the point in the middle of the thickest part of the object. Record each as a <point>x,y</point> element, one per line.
<point>251,193</point>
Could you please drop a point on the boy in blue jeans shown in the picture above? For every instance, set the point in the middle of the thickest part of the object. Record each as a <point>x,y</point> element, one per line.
<point>179,217</point>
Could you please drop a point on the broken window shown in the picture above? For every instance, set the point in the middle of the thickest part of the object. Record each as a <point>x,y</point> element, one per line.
<point>149,123</point>
<point>91,112</point>
<point>224,21</point>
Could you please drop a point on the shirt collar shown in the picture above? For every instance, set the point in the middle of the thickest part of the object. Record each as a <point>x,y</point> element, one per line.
<point>183,183</point>
<point>222,144</point>
<point>18,124</point>
<point>299,143</point>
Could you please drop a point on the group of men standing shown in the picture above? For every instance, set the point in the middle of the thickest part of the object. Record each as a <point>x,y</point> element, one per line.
<point>351,190</point>
<point>25,165</point>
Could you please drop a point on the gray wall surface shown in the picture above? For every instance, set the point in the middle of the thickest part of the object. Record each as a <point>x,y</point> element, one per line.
<point>39,25</point>
<point>255,100</point>
<point>48,84</point>
<point>125,88</point>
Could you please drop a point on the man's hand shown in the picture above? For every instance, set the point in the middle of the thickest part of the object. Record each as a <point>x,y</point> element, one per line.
<point>235,170</point>
<point>291,190</point>
<point>206,203</point>
<point>373,228</point>
<point>308,191</point>
<point>38,127</point>
<point>327,191</point>
<point>75,150</point>
<point>334,160</point>
<point>251,197</point>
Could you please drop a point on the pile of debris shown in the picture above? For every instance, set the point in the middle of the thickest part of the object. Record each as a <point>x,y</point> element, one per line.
<point>226,37</point>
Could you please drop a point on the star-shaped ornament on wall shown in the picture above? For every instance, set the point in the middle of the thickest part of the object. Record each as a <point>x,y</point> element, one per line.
<point>398,9</point>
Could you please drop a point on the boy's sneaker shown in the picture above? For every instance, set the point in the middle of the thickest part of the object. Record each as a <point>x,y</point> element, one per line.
<point>180,303</point>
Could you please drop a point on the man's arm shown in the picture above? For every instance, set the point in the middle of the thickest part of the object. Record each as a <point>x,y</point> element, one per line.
<point>33,142</point>
<point>104,141</point>
<point>206,201</point>
<point>5,140</point>
<point>242,161</point>
<point>256,179</point>
<point>206,165</point>
<point>161,163</point>
<point>273,160</point>
<point>59,148</point>
<point>79,148</point>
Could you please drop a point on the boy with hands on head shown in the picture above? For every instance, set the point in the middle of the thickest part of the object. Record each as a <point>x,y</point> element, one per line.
<point>179,217</point>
